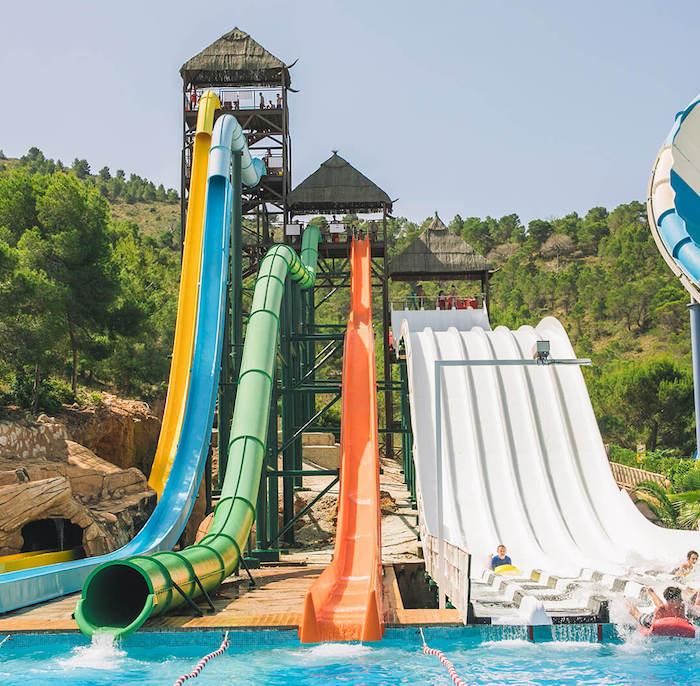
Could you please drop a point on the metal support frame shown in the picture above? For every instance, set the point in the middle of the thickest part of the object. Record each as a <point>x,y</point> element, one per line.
<point>409,467</point>
<point>306,349</point>
<point>256,205</point>
<point>298,365</point>
<point>386,325</point>
<point>694,311</point>
<point>438,366</point>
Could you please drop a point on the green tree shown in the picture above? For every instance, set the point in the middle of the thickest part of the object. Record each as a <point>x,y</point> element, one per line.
<point>539,231</point>
<point>568,225</point>
<point>30,330</point>
<point>17,204</point>
<point>72,248</point>
<point>480,233</point>
<point>148,295</point>
<point>593,228</point>
<point>651,401</point>
<point>81,168</point>
<point>508,229</point>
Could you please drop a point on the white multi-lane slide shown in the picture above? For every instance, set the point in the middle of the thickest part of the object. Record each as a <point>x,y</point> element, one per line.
<point>523,461</point>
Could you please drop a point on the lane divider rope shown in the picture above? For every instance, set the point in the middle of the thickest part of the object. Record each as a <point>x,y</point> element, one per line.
<point>203,662</point>
<point>456,679</point>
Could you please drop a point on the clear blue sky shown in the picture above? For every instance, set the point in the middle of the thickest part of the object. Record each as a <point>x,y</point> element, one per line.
<point>535,107</point>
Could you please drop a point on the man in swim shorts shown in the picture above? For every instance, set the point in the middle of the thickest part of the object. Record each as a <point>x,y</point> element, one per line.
<point>672,607</point>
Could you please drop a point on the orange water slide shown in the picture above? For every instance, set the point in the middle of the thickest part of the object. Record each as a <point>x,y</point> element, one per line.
<point>345,602</point>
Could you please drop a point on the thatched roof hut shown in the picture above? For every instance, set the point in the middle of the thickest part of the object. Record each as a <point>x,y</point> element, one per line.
<point>437,254</point>
<point>335,187</point>
<point>235,59</point>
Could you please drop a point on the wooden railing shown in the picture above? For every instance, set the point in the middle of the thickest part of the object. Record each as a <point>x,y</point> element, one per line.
<point>448,568</point>
<point>628,477</point>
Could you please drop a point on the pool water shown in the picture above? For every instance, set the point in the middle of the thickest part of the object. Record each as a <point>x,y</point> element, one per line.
<point>491,655</point>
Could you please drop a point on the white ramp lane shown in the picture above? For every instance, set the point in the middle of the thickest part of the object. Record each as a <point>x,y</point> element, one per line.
<point>523,459</point>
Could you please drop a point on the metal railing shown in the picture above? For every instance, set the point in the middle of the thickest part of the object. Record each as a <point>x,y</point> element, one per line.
<point>238,98</point>
<point>446,302</point>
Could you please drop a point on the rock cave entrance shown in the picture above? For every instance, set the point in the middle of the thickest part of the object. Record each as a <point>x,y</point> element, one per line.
<point>51,534</point>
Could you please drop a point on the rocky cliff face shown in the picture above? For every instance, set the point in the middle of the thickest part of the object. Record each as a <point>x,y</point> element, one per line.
<point>123,432</point>
<point>46,476</point>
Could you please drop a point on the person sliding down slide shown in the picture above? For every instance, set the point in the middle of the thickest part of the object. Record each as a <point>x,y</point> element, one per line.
<point>500,558</point>
<point>668,618</point>
<point>502,564</point>
<point>673,607</point>
<point>687,568</point>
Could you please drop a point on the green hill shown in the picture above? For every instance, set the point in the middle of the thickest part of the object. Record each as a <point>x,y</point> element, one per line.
<point>89,266</point>
<point>153,218</point>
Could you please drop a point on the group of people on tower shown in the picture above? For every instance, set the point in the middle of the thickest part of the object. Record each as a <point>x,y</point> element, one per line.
<point>450,301</point>
<point>192,101</point>
<point>277,105</point>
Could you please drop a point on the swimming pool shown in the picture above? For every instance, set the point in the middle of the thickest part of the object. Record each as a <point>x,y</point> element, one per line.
<point>488,655</point>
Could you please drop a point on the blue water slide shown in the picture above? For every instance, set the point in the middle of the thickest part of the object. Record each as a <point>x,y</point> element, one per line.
<point>674,203</point>
<point>166,524</point>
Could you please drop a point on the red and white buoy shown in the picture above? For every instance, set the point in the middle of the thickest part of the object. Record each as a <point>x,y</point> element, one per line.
<point>456,679</point>
<point>203,662</point>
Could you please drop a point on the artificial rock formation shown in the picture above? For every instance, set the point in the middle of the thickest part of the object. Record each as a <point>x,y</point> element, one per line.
<point>123,432</point>
<point>44,475</point>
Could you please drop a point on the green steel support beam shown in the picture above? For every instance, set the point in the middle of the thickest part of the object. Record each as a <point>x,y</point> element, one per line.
<point>304,472</point>
<point>289,526</point>
<point>318,337</point>
<point>288,397</point>
<point>407,434</point>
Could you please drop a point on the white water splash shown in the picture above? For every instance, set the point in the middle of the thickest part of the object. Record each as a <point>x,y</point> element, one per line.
<point>508,643</point>
<point>567,645</point>
<point>102,653</point>
<point>532,612</point>
<point>4,640</point>
<point>335,651</point>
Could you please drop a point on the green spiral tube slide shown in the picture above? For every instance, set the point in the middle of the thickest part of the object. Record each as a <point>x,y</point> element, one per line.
<point>118,597</point>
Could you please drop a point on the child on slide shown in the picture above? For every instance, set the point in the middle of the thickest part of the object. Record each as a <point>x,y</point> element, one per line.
<point>672,607</point>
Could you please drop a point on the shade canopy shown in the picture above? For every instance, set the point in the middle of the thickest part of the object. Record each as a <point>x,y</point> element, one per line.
<point>235,59</point>
<point>336,186</point>
<point>438,254</point>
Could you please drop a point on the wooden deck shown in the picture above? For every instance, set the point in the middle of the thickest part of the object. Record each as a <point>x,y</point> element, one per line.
<point>275,602</point>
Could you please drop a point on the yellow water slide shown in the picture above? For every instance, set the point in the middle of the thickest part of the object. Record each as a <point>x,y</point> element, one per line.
<point>187,299</point>
<point>38,558</point>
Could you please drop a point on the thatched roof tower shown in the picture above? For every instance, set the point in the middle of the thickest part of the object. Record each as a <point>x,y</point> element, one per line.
<point>235,59</point>
<point>336,186</point>
<point>437,254</point>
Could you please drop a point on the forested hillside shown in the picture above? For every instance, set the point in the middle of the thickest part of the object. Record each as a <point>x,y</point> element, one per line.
<point>603,277</point>
<point>89,266</point>
<point>87,301</point>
